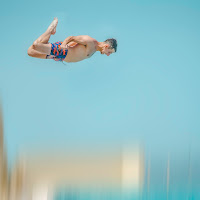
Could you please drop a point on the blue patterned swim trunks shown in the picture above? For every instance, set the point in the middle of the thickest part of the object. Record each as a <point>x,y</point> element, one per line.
<point>59,53</point>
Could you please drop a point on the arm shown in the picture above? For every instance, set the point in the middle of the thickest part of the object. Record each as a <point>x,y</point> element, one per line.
<point>82,39</point>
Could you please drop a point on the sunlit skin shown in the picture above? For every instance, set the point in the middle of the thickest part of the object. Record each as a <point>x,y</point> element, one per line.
<point>106,49</point>
<point>79,47</point>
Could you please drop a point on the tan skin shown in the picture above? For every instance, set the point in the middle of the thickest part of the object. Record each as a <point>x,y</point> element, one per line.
<point>79,47</point>
<point>82,47</point>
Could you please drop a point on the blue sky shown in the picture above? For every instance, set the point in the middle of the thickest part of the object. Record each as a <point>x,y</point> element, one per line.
<point>148,91</point>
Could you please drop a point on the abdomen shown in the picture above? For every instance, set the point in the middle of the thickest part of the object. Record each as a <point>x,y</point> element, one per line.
<point>76,53</point>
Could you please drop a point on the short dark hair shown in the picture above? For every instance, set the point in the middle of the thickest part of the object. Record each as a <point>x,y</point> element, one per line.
<point>112,42</point>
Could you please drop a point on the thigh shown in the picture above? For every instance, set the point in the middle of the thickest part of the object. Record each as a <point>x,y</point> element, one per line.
<point>43,48</point>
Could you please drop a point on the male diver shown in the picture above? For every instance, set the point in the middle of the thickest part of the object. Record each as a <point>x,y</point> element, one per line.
<point>72,49</point>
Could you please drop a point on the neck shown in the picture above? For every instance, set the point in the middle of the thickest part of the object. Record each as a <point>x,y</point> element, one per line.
<point>99,46</point>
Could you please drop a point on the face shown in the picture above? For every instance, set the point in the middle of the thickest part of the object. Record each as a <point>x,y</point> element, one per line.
<point>106,50</point>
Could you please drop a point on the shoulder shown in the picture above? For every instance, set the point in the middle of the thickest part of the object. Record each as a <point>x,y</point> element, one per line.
<point>87,37</point>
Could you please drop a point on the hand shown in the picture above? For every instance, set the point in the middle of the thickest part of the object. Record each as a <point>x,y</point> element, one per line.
<point>65,47</point>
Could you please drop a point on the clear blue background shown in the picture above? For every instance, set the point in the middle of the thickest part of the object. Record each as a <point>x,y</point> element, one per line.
<point>148,91</point>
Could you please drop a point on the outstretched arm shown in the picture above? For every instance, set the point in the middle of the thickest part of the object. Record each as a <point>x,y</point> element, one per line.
<point>81,39</point>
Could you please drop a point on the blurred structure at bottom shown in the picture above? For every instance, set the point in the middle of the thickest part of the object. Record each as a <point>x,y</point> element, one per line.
<point>84,175</point>
<point>76,176</point>
<point>90,174</point>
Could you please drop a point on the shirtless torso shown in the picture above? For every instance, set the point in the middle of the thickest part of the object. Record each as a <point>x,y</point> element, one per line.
<point>78,51</point>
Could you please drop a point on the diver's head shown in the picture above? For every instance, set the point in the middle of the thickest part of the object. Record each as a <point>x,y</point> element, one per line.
<point>109,46</point>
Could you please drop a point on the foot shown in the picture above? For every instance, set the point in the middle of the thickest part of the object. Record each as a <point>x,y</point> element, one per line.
<point>53,25</point>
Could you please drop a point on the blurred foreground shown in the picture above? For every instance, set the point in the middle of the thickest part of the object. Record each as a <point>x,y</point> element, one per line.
<point>126,173</point>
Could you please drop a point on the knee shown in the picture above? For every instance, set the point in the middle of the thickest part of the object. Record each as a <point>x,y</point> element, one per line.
<point>30,51</point>
<point>35,44</point>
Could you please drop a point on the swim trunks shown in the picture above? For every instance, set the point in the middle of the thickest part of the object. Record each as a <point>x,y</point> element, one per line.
<point>59,53</point>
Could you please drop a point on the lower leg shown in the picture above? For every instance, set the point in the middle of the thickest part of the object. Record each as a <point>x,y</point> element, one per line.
<point>44,38</point>
<point>41,47</point>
